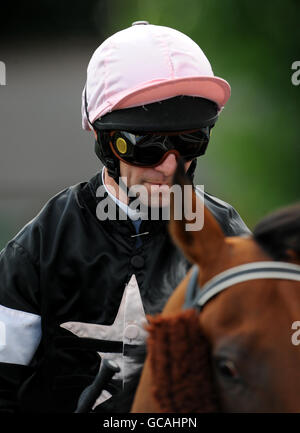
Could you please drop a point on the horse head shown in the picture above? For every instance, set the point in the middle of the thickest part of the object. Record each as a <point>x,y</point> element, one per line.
<point>233,352</point>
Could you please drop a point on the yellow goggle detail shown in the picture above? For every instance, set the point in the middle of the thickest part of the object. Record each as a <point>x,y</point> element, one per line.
<point>121,145</point>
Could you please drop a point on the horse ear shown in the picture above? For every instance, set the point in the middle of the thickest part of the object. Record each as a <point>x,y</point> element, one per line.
<point>196,232</point>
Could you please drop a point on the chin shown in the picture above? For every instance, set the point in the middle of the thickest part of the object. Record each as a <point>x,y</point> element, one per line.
<point>160,200</point>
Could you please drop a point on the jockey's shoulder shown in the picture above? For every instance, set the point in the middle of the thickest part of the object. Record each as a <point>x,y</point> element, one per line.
<point>226,215</point>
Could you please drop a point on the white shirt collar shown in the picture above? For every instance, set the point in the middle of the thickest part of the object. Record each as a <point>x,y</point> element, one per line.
<point>125,208</point>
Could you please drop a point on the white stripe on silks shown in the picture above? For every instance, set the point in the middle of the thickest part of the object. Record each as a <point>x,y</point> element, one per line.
<point>20,335</point>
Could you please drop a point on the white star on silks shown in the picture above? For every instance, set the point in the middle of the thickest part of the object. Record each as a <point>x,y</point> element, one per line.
<point>127,328</point>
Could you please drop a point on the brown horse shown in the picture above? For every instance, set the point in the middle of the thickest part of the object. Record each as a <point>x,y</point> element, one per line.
<point>235,350</point>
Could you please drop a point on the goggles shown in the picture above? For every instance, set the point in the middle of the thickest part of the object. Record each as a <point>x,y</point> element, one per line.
<point>151,149</point>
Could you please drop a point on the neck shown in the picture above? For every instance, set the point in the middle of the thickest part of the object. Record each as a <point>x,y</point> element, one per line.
<point>114,188</point>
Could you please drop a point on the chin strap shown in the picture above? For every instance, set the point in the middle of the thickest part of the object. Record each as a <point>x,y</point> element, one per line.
<point>113,168</point>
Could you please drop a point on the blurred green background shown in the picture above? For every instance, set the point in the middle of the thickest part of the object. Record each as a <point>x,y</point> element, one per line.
<point>253,157</point>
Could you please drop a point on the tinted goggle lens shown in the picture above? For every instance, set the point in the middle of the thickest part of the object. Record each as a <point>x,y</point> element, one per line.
<point>150,149</point>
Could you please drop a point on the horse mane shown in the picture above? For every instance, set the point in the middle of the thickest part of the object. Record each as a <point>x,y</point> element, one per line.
<point>279,233</point>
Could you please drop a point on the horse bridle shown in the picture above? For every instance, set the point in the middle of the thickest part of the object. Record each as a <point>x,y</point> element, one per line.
<point>197,297</point>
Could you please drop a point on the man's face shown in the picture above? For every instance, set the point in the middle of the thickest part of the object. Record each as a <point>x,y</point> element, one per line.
<point>155,181</point>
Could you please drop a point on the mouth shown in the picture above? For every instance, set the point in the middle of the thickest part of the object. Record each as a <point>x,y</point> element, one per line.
<point>158,187</point>
<point>159,183</point>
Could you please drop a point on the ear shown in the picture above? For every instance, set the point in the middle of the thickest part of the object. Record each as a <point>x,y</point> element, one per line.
<point>203,245</point>
<point>179,357</point>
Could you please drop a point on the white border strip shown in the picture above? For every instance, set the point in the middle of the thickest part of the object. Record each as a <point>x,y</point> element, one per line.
<point>20,335</point>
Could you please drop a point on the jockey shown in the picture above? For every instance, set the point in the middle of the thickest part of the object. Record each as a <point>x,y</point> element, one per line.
<point>76,287</point>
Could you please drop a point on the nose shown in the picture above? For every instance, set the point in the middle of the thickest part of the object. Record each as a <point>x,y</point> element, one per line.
<point>168,166</point>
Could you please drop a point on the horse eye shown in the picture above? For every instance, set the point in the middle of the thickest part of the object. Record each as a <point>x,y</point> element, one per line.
<point>228,369</point>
